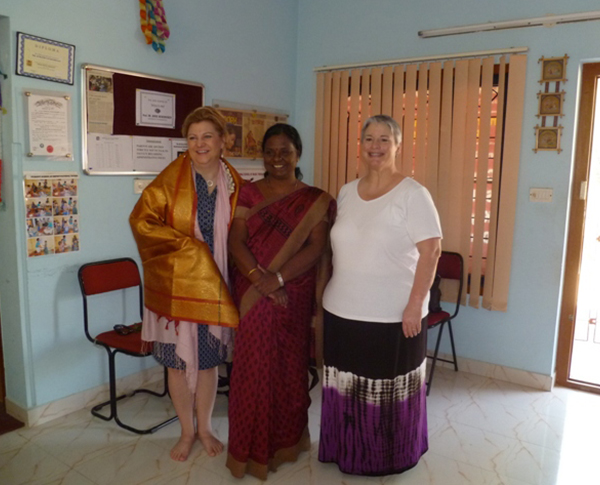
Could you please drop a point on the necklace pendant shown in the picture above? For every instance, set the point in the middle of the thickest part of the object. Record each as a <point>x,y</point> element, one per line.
<point>210,183</point>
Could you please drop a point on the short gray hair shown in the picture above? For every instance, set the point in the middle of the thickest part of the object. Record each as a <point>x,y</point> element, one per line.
<point>386,120</point>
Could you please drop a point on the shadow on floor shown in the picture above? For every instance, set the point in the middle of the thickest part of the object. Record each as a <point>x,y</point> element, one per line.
<point>7,422</point>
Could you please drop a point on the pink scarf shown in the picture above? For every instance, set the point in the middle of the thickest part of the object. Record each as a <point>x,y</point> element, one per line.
<point>185,336</point>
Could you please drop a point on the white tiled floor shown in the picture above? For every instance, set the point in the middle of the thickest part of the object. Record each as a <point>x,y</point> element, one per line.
<point>481,431</point>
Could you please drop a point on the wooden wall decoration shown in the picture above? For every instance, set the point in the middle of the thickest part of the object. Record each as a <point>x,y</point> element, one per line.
<point>550,104</point>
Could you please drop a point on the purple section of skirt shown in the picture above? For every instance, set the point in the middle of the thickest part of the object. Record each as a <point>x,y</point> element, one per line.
<point>369,439</point>
<point>374,413</point>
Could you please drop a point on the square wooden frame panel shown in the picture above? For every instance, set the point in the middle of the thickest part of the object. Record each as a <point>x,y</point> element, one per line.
<point>547,138</point>
<point>553,69</point>
<point>551,104</point>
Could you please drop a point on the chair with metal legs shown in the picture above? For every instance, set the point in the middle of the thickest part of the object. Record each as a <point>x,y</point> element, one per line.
<point>115,276</point>
<point>450,266</point>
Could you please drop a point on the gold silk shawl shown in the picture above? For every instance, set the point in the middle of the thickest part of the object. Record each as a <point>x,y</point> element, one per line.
<point>181,279</point>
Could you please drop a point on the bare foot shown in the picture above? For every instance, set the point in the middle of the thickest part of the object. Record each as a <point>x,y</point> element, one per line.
<point>211,444</point>
<point>182,449</point>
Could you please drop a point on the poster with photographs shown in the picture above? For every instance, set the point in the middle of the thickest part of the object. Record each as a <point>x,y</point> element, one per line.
<point>52,213</point>
<point>245,131</point>
<point>233,137</point>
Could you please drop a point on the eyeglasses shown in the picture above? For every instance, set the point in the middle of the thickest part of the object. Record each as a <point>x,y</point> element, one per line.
<point>127,329</point>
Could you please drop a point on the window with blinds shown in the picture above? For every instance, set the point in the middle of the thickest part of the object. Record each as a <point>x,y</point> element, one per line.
<point>461,122</point>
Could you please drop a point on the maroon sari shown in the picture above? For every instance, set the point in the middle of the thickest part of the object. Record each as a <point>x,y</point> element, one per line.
<point>268,400</point>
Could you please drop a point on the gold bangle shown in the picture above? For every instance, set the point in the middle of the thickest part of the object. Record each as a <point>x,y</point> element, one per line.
<point>251,271</point>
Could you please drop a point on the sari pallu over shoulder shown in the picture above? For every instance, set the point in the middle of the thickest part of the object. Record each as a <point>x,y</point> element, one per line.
<point>279,228</point>
<point>269,399</point>
<point>181,279</point>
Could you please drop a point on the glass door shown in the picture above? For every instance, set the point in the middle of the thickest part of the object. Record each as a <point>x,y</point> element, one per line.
<point>585,357</point>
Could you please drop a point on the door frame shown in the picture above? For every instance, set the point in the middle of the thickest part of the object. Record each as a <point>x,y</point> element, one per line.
<point>2,375</point>
<point>583,144</point>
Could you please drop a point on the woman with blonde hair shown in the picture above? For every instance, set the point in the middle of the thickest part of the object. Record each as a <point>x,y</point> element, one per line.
<point>180,225</point>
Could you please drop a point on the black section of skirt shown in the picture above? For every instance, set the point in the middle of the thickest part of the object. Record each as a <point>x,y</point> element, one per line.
<point>372,349</point>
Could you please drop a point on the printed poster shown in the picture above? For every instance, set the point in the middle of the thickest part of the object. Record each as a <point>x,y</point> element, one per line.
<point>52,213</point>
<point>233,137</point>
<point>245,131</point>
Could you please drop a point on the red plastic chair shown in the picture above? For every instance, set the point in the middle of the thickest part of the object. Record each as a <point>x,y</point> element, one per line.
<point>450,266</point>
<point>110,276</point>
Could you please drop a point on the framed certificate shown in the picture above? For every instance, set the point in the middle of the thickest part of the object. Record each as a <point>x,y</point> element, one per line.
<point>45,59</point>
<point>49,126</point>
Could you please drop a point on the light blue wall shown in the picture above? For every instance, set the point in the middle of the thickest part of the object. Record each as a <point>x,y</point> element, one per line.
<point>14,339</point>
<point>352,31</point>
<point>262,52</point>
<point>243,52</point>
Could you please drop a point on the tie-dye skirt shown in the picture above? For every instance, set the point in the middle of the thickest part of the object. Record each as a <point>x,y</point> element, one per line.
<point>374,415</point>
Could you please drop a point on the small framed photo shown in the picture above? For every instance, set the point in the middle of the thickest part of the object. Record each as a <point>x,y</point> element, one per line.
<point>547,138</point>
<point>45,59</point>
<point>550,104</point>
<point>553,69</point>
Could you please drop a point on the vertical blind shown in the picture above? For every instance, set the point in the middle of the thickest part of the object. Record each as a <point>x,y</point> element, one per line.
<point>461,121</point>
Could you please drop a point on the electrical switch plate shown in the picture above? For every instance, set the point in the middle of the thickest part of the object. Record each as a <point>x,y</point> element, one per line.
<point>537,194</point>
<point>140,184</point>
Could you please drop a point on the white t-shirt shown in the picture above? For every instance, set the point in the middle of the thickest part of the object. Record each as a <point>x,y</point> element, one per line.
<point>374,251</point>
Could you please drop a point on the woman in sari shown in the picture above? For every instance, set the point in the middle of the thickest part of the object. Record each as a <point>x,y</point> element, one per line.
<point>278,237</point>
<point>180,226</point>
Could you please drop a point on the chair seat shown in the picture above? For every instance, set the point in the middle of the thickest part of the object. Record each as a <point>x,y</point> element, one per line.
<point>435,318</point>
<point>131,343</point>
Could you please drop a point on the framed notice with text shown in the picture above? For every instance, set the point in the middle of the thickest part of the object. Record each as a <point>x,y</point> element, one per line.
<point>45,59</point>
<point>49,126</point>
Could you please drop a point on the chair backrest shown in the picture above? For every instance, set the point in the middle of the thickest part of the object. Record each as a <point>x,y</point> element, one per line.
<point>105,276</point>
<point>110,275</point>
<point>450,266</point>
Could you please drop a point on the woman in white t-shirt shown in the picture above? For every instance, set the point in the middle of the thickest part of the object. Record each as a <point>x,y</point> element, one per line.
<point>386,243</point>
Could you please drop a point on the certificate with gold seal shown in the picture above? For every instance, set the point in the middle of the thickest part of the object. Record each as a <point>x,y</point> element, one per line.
<point>49,125</point>
<point>45,59</point>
